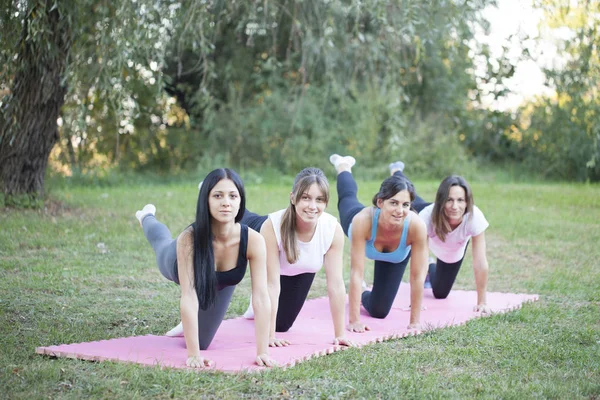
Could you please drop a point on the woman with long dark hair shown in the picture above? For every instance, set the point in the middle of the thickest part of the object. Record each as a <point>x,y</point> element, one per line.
<point>453,221</point>
<point>390,233</point>
<point>208,259</point>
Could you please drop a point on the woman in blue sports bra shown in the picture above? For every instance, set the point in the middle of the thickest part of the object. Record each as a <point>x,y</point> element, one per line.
<point>208,259</point>
<point>388,233</point>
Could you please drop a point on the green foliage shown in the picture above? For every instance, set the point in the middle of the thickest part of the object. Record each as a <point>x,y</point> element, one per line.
<point>284,84</point>
<point>560,136</point>
<point>91,50</point>
<point>487,135</point>
<point>281,85</point>
<point>288,133</point>
<point>562,140</point>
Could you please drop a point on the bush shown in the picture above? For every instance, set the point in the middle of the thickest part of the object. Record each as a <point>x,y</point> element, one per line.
<point>287,133</point>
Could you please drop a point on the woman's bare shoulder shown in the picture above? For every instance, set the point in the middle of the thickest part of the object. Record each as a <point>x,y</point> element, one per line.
<point>417,226</point>
<point>186,238</point>
<point>363,221</point>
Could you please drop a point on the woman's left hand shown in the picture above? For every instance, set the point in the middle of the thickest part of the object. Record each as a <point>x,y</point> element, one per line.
<point>482,308</point>
<point>343,341</point>
<point>274,342</point>
<point>264,360</point>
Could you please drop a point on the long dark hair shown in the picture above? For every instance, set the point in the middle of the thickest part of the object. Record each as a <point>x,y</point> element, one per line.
<point>205,277</point>
<point>304,180</point>
<point>438,218</point>
<point>393,185</point>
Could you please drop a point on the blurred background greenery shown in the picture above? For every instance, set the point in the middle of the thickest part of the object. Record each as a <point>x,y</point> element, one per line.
<point>168,88</point>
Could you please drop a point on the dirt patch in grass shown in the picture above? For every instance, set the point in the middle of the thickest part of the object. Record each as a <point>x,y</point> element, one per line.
<point>55,208</point>
<point>51,208</point>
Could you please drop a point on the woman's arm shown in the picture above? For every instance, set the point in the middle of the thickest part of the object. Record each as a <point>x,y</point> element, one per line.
<point>334,259</point>
<point>188,303</point>
<point>361,228</point>
<point>480,268</point>
<point>273,279</point>
<point>418,268</point>
<point>257,257</point>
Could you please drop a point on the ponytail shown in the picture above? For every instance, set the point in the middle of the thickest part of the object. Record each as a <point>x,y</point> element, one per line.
<point>289,237</point>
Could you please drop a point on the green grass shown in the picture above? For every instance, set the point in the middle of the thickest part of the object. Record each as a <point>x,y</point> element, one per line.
<point>81,270</point>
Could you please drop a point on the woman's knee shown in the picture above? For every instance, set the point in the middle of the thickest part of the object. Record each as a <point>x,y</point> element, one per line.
<point>376,309</point>
<point>379,312</point>
<point>440,293</point>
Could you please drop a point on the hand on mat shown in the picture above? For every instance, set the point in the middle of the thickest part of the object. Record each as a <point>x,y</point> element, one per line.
<point>274,342</point>
<point>414,326</point>
<point>264,360</point>
<point>344,341</point>
<point>198,362</point>
<point>482,308</point>
<point>357,327</point>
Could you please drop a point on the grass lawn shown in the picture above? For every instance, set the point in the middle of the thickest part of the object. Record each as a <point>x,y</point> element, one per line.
<point>81,270</point>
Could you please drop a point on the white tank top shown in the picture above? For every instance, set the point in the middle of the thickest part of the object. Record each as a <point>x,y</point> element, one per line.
<point>311,253</point>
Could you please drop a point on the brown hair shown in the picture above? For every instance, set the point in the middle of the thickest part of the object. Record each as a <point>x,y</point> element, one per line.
<point>438,217</point>
<point>304,180</point>
<point>393,185</point>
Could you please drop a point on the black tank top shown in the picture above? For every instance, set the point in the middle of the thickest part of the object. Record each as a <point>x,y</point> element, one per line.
<point>235,275</point>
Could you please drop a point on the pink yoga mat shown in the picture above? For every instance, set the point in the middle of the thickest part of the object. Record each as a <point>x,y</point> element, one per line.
<point>233,348</point>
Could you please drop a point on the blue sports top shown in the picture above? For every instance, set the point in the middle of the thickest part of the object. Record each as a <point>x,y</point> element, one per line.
<point>397,255</point>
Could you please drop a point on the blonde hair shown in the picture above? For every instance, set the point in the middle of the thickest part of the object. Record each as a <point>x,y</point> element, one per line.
<point>304,180</point>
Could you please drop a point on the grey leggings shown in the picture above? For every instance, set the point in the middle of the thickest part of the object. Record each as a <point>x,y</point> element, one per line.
<point>165,248</point>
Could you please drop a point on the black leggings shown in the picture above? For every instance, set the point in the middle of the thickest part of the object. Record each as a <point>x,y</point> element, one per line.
<point>292,296</point>
<point>294,289</point>
<point>165,248</point>
<point>387,276</point>
<point>348,204</point>
<point>442,276</point>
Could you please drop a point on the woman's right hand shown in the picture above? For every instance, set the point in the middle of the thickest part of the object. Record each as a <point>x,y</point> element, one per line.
<point>357,327</point>
<point>264,360</point>
<point>274,342</point>
<point>198,362</point>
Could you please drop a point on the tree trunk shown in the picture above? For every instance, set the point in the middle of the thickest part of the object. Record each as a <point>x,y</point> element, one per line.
<point>37,94</point>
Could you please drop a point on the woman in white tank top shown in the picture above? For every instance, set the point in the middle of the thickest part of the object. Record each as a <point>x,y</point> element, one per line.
<point>301,239</point>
